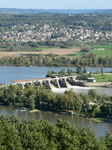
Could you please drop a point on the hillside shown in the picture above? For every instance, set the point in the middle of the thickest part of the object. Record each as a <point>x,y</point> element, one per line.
<point>69,11</point>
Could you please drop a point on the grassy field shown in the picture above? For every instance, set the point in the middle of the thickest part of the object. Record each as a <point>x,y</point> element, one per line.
<point>98,50</point>
<point>102,50</point>
<point>105,47</point>
<point>102,78</point>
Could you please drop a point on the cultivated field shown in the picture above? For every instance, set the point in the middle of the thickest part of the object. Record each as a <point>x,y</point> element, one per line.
<point>47,51</point>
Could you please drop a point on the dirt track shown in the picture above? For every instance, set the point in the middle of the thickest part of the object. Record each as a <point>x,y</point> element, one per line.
<point>54,51</point>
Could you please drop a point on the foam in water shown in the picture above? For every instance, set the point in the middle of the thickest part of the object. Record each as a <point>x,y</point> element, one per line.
<point>79,89</point>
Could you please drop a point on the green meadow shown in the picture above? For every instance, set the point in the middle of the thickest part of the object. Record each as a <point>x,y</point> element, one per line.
<point>102,77</point>
<point>102,50</point>
<point>98,50</point>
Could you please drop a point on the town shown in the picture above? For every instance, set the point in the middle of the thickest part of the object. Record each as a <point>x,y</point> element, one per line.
<point>36,33</point>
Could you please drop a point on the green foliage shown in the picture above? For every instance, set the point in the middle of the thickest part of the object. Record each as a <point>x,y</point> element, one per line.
<point>85,48</point>
<point>83,77</point>
<point>96,112</point>
<point>87,59</point>
<point>41,135</point>
<point>9,135</point>
<point>44,99</point>
<point>108,140</point>
<point>96,21</point>
<point>92,93</point>
<point>79,70</point>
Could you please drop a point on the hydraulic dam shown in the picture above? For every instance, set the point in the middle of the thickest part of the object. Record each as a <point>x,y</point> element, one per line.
<point>59,82</point>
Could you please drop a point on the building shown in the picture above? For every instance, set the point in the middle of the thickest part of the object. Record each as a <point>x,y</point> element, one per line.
<point>91,80</point>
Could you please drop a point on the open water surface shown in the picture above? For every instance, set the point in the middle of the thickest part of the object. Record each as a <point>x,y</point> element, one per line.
<point>98,128</point>
<point>8,73</point>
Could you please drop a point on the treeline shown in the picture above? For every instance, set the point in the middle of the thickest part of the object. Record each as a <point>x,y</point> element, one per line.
<point>41,135</point>
<point>87,59</point>
<point>97,21</point>
<point>34,46</point>
<point>44,99</point>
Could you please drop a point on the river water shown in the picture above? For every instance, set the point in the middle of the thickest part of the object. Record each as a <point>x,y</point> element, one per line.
<point>98,128</point>
<point>8,73</point>
<point>14,73</point>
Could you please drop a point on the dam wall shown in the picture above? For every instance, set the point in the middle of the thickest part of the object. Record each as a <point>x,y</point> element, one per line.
<point>60,82</point>
<point>91,84</point>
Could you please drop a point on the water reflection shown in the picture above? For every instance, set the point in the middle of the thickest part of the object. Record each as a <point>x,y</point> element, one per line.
<point>99,128</point>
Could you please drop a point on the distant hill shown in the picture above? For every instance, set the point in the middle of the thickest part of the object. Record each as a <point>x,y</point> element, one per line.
<point>69,11</point>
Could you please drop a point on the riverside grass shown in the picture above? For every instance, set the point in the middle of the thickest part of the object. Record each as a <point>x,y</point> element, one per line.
<point>102,77</point>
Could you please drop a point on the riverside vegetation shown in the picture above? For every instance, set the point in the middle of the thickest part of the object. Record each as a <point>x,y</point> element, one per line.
<point>87,59</point>
<point>44,99</point>
<point>41,135</point>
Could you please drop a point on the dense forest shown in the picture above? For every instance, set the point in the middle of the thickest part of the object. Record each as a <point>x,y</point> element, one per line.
<point>96,21</point>
<point>41,135</point>
<point>44,99</point>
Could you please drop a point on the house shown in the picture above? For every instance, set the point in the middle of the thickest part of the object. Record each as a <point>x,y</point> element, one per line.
<point>91,80</point>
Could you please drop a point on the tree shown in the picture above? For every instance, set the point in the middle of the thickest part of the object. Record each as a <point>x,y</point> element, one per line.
<point>9,135</point>
<point>62,71</point>
<point>102,70</point>
<point>108,140</point>
<point>92,93</point>
<point>84,70</point>
<point>49,73</point>
<point>10,95</point>
<point>79,70</point>
<point>85,104</point>
<point>41,135</point>
<point>29,95</point>
<point>85,48</point>
<point>96,112</point>
<point>69,71</point>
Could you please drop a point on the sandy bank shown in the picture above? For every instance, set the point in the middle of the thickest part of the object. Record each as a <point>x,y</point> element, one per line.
<point>34,110</point>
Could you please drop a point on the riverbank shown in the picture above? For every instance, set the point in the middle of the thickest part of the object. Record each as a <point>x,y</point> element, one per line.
<point>65,113</point>
<point>52,117</point>
<point>71,113</point>
<point>99,120</point>
<point>34,110</point>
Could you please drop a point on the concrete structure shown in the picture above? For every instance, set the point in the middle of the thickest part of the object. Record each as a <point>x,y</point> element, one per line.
<point>60,82</point>
<point>47,82</point>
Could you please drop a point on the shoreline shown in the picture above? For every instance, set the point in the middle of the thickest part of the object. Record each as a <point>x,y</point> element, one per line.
<point>98,120</point>
<point>34,110</point>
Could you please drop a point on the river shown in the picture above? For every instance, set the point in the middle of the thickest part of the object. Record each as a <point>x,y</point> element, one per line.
<point>98,128</point>
<point>8,73</point>
<point>13,73</point>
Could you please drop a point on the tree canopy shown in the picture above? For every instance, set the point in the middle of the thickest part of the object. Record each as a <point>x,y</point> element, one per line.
<point>41,135</point>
